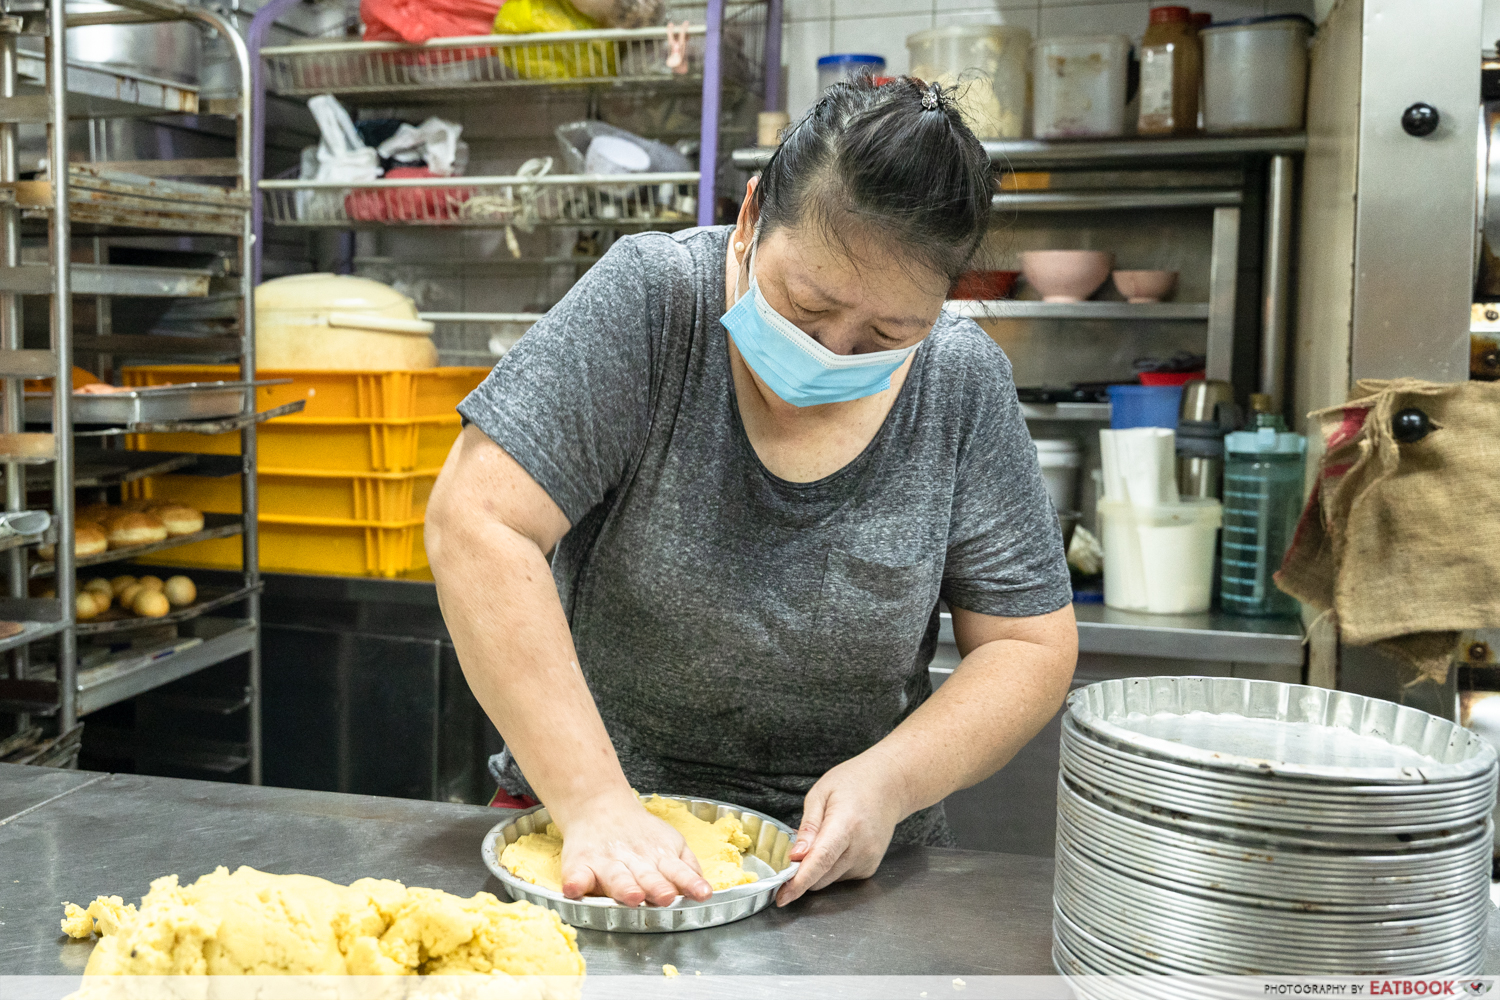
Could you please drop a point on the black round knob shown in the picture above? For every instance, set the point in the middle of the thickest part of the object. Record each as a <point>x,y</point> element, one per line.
<point>1410,426</point>
<point>1420,119</point>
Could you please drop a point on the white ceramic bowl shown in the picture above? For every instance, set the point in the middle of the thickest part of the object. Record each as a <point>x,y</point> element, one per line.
<point>1066,275</point>
<point>1145,286</point>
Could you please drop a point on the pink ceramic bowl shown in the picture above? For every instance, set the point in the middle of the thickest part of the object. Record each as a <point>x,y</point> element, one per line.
<point>1145,286</point>
<point>1066,275</point>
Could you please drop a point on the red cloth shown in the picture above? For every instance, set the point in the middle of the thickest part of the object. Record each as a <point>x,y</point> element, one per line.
<point>505,800</point>
<point>420,20</point>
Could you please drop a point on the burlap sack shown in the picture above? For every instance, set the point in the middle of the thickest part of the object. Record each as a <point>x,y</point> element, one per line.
<point>1402,541</point>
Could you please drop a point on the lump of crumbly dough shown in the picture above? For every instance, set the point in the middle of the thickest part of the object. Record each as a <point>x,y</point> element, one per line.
<point>108,911</point>
<point>254,923</point>
<point>718,846</point>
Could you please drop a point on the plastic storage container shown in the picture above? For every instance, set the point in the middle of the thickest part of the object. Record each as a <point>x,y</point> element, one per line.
<point>1255,74</point>
<point>1059,458</point>
<point>846,66</point>
<point>1080,86</point>
<point>339,321</point>
<point>373,496</point>
<point>299,545</point>
<point>427,392</point>
<point>1262,501</point>
<point>989,67</point>
<point>1144,406</point>
<point>330,445</point>
<point>1159,559</point>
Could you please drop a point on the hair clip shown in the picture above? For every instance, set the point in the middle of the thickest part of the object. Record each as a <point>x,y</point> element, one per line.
<point>930,99</point>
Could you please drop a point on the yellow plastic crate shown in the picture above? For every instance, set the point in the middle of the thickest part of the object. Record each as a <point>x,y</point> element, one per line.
<point>312,545</point>
<point>334,445</point>
<point>370,496</point>
<point>366,395</point>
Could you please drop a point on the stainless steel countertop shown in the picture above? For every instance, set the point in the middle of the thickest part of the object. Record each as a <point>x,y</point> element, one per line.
<point>927,911</point>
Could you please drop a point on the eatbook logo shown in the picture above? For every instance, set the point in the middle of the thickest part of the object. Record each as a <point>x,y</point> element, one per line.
<point>1477,987</point>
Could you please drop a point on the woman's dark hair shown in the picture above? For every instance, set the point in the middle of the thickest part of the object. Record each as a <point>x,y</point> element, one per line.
<point>897,157</point>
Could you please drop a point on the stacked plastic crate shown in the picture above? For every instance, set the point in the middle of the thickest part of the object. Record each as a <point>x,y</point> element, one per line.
<point>343,484</point>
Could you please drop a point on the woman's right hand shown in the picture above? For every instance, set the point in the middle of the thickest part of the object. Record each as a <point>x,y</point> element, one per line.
<point>624,852</point>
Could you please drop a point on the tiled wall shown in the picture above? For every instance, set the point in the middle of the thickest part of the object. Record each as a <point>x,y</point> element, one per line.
<point>819,27</point>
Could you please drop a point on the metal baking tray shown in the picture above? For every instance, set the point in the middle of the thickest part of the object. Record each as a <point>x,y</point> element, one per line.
<point>1286,730</point>
<point>151,404</point>
<point>770,840</point>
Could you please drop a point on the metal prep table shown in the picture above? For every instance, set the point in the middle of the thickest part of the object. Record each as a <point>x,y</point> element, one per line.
<point>74,835</point>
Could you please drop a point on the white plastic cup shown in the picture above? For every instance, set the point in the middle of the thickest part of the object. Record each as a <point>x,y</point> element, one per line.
<point>1060,459</point>
<point>1255,74</point>
<point>1160,559</point>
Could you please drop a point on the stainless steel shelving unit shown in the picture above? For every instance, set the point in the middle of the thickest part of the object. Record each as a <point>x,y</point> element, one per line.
<point>104,202</point>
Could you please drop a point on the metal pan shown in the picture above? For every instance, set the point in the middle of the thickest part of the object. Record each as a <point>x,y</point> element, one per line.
<point>1261,836</point>
<point>770,840</point>
<point>1242,810</point>
<point>1267,727</point>
<point>1289,900</point>
<point>152,404</point>
<point>1293,787</point>
<point>1255,880</point>
<point>1269,787</point>
<point>1174,915</point>
<point>1369,861</point>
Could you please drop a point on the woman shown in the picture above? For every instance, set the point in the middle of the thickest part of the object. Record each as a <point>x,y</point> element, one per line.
<point>759,455</point>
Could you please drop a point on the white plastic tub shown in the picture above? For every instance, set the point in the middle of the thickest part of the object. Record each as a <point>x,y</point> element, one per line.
<point>1255,74</point>
<point>1059,458</point>
<point>1080,86</point>
<point>1160,559</point>
<point>987,66</point>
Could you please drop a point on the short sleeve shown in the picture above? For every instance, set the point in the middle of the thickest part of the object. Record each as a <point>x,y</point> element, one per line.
<point>1005,555</point>
<point>571,401</point>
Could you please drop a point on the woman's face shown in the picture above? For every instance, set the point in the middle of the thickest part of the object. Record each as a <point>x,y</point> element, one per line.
<point>851,296</point>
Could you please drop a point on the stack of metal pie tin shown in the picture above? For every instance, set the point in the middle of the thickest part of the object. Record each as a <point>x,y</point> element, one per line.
<point>1214,826</point>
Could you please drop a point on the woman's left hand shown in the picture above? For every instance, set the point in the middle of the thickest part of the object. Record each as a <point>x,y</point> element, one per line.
<point>847,821</point>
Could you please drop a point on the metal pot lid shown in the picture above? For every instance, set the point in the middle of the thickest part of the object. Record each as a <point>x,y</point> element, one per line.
<point>1267,727</point>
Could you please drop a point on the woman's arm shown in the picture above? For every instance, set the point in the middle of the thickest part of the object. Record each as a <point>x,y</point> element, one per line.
<point>1013,677</point>
<point>489,529</point>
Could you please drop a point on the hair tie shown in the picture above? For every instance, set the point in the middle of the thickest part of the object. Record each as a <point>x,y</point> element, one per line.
<point>932,98</point>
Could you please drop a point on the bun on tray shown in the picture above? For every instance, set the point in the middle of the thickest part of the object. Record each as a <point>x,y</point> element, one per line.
<point>135,528</point>
<point>179,519</point>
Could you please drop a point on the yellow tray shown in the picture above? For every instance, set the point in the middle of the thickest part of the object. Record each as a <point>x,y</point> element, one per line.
<point>330,444</point>
<point>312,545</point>
<point>426,392</point>
<point>368,496</point>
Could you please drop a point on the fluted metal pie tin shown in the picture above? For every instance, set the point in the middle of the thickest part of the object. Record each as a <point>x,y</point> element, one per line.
<point>770,840</point>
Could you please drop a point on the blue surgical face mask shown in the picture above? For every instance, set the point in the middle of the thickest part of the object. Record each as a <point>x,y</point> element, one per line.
<point>794,365</point>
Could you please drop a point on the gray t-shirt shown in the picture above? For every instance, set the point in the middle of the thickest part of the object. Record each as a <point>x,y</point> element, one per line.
<point>742,634</point>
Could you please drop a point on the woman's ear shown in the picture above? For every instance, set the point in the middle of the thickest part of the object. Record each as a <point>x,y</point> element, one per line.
<point>744,229</point>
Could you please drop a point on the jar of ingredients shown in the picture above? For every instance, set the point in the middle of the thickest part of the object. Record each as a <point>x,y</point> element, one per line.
<point>987,66</point>
<point>1262,502</point>
<point>1171,69</point>
<point>1080,86</point>
<point>843,66</point>
<point>1255,74</point>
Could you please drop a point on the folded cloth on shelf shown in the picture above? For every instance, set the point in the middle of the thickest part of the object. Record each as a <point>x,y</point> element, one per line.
<point>1400,539</point>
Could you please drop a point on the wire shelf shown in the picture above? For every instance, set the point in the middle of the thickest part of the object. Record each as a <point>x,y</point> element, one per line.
<point>616,201</point>
<point>442,67</point>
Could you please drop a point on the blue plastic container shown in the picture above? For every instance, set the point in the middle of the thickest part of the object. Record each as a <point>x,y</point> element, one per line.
<point>846,66</point>
<point>1144,406</point>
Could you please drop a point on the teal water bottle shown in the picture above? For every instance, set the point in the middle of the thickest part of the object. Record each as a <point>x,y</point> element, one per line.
<point>1262,502</point>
